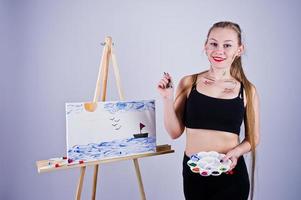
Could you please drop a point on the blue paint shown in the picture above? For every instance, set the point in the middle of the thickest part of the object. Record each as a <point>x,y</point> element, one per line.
<point>113,107</point>
<point>194,158</point>
<point>114,148</point>
<point>129,106</point>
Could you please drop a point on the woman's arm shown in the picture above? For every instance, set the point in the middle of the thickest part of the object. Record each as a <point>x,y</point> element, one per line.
<point>245,146</point>
<point>173,109</point>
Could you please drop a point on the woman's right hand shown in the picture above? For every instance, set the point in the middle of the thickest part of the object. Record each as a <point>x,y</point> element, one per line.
<point>165,87</point>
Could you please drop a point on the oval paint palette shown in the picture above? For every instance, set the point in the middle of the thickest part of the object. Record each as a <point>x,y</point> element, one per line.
<point>208,163</point>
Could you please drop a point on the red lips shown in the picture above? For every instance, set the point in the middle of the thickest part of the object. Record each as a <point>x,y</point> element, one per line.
<point>218,59</point>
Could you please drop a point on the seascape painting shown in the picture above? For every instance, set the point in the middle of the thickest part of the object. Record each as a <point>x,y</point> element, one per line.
<point>113,129</point>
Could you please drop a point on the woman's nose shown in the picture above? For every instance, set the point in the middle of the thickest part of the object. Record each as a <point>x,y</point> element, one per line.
<point>219,50</point>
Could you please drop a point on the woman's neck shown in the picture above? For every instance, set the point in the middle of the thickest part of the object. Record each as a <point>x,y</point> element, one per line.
<point>219,74</point>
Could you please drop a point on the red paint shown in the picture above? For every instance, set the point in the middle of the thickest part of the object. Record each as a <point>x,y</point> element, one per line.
<point>196,169</point>
<point>81,162</point>
<point>70,160</point>
<point>56,165</point>
<point>204,173</point>
<point>230,172</point>
<point>141,126</point>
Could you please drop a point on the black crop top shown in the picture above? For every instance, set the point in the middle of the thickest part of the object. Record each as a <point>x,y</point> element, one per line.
<point>205,112</point>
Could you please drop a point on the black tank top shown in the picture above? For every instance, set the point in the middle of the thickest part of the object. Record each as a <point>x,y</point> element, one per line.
<point>205,112</point>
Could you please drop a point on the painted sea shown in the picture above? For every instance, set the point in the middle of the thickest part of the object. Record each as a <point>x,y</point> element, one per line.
<point>115,148</point>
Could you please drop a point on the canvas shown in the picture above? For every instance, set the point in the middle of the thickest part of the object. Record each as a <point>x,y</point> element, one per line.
<point>114,129</point>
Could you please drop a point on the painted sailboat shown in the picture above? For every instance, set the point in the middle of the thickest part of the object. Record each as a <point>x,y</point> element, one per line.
<point>141,135</point>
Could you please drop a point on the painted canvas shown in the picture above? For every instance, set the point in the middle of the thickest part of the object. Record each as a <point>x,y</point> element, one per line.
<point>114,129</point>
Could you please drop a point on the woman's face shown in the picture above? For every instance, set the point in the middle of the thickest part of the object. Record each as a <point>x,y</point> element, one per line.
<point>222,47</point>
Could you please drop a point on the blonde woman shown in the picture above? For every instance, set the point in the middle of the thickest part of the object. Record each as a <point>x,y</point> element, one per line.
<point>212,105</point>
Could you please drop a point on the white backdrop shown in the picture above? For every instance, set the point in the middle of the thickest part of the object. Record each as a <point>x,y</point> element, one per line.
<point>50,52</point>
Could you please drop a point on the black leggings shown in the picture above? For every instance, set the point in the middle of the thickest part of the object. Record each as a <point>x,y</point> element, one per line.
<point>234,186</point>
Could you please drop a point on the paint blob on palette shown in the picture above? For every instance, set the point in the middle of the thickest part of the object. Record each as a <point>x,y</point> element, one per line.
<point>208,163</point>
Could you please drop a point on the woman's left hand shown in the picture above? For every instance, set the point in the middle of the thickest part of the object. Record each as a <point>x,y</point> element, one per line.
<point>233,155</point>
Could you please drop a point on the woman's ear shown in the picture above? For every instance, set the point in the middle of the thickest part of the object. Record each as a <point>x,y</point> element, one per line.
<point>240,50</point>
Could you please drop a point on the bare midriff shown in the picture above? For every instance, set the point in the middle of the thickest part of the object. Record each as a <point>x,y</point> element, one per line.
<point>209,140</point>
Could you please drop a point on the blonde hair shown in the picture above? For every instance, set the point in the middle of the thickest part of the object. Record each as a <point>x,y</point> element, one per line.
<point>237,72</point>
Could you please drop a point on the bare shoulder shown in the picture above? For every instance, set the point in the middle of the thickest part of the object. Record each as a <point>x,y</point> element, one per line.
<point>187,80</point>
<point>185,83</point>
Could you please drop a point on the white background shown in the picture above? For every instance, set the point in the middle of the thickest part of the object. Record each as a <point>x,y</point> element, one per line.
<point>50,52</point>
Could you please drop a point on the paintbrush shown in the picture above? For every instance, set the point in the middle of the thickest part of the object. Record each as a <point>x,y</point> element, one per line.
<point>169,84</point>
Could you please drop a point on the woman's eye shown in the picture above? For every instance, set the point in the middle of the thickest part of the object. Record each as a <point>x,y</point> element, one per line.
<point>213,44</point>
<point>227,45</point>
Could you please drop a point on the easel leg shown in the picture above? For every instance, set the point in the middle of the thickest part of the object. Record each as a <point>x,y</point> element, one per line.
<point>94,182</point>
<point>80,183</point>
<point>142,193</point>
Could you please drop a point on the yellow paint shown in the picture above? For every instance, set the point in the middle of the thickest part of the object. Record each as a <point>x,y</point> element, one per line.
<point>90,107</point>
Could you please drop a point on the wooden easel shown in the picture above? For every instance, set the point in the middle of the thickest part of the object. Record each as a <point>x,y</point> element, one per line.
<point>43,165</point>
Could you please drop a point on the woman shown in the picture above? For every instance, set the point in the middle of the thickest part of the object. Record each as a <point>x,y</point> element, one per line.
<point>211,105</point>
